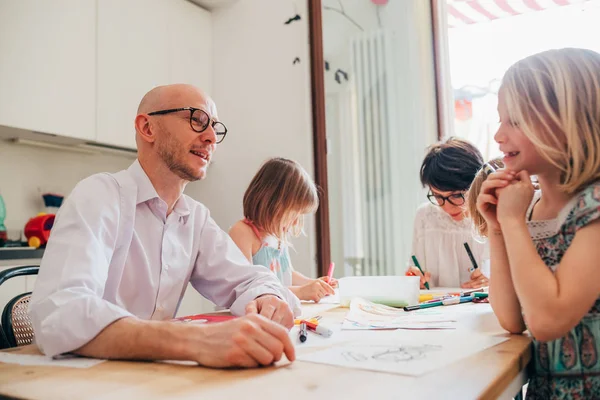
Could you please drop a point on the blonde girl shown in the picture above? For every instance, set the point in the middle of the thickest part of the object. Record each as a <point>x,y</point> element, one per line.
<point>278,197</point>
<point>479,223</point>
<point>545,249</point>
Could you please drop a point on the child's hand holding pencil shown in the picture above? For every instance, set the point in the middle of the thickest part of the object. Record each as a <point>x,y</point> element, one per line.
<point>477,278</point>
<point>417,271</point>
<point>414,271</point>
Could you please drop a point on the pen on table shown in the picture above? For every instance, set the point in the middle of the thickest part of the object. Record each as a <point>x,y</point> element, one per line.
<point>444,302</point>
<point>298,321</point>
<point>481,289</point>
<point>470,254</point>
<point>470,291</point>
<point>414,258</point>
<point>302,333</point>
<point>428,297</point>
<point>449,296</point>
<point>64,356</point>
<point>318,328</point>
<point>330,272</point>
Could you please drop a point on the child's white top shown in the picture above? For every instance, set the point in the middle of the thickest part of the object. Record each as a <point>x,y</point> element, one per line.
<point>438,244</point>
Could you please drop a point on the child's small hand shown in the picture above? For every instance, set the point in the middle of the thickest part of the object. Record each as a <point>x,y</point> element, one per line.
<point>414,271</point>
<point>477,280</point>
<point>315,290</point>
<point>487,201</point>
<point>333,283</point>
<point>514,199</point>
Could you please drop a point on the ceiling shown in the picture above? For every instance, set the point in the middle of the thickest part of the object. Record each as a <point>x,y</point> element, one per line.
<point>211,5</point>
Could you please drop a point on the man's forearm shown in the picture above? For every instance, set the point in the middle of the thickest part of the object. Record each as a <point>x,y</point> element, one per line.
<point>134,339</point>
<point>503,297</point>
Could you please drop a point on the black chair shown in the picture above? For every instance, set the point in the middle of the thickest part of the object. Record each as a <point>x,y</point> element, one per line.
<point>16,328</point>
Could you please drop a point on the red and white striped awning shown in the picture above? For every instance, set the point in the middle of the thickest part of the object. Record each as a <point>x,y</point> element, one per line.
<point>464,12</point>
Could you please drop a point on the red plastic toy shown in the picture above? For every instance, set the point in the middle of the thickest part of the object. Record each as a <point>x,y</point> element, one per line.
<point>37,229</point>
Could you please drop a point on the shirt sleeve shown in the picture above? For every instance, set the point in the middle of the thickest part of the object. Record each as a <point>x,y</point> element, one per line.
<point>587,208</point>
<point>67,308</point>
<point>224,276</point>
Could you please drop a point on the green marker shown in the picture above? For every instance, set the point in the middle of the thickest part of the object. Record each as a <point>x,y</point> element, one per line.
<point>418,266</point>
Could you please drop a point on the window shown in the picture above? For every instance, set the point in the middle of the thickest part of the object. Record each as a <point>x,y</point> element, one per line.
<point>485,37</point>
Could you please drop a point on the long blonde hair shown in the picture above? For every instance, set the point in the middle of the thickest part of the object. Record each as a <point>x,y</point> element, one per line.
<point>280,189</point>
<point>479,224</point>
<point>554,98</point>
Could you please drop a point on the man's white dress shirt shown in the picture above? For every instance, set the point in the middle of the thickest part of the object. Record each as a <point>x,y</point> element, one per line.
<point>83,286</point>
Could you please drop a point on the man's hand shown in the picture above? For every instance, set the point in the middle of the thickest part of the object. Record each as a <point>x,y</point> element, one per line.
<point>248,341</point>
<point>477,280</point>
<point>273,308</point>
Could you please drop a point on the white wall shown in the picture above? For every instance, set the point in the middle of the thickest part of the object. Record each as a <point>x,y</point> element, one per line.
<point>27,172</point>
<point>264,100</point>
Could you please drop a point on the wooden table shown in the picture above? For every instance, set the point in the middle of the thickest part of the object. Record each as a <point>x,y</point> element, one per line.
<point>496,372</point>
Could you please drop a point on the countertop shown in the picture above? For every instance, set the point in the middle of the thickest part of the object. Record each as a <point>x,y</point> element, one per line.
<point>20,253</point>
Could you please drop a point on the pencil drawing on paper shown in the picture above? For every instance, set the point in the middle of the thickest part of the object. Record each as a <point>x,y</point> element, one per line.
<point>395,354</point>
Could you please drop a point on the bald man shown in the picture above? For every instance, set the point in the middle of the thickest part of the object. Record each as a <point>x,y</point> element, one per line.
<point>124,247</point>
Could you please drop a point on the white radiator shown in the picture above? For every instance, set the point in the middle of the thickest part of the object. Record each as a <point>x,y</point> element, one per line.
<point>381,153</point>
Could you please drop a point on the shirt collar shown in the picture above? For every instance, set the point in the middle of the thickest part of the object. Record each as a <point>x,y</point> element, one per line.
<point>146,190</point>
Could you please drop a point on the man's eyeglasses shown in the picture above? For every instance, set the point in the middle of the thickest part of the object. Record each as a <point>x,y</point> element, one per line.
<point>456,199</point>
<point>199,121</point>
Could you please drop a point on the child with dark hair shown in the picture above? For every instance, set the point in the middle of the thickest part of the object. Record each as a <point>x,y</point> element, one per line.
<point>442,226</point>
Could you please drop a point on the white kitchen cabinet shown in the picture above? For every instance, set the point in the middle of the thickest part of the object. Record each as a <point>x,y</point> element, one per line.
<point>190,45</point>
<point>133,47</point>
<point>143,44</point>
<point>48,66</point>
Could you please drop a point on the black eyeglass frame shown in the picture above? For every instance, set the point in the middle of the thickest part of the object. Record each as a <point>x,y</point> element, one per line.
<point>192,110</point>
<point>433,199</point>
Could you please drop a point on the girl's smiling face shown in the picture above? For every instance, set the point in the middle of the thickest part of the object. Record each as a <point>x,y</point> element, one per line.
<point>519,152</point>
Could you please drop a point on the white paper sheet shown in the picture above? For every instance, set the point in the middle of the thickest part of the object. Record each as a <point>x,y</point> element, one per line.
<point>32,359</point>
<point>413,354</point>
<point>332,299</point>
<point>364,314</point>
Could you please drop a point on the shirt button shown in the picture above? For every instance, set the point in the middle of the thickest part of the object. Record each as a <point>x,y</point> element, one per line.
<point>166,267</point>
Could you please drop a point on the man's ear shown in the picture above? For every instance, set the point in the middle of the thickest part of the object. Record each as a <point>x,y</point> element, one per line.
<point>144,129</point>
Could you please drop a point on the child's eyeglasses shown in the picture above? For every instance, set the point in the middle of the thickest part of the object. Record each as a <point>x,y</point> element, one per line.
<point>456,199</point>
